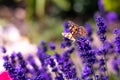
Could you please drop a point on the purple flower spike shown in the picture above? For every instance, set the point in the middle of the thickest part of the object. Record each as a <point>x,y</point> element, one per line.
<point>13,56</point>
<point>42,43</point>
<point>42,56</point>
<point>51,62</point>
<point>43,75</point>
<point>66,27</point>
<point>86,72</point>
<point>3,49</point>
<point>101,62</point>
<point>32,62</point>
<point>101,28</point>
<point>117,42</point>
<point>15,73</point>
<point>87,55</point>
<point>89,31</point>
<point>66,43</point>
<point>52,46</point>
<point>6,58</point>
<point>101,7</point>
<point>116,31</point>
<point>43,46</point>
<point>59,77</point>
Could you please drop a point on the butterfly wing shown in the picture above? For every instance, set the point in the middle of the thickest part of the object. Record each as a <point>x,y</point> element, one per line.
<point>68,35</point>
<point>82,31</point>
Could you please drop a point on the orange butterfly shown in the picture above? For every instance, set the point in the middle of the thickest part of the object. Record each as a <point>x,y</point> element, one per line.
<point>75,30</point>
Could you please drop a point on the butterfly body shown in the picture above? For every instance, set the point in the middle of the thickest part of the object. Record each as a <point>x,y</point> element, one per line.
<point>74,31</point>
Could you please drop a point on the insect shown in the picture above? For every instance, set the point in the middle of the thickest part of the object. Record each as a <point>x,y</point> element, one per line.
<point>74,31</point>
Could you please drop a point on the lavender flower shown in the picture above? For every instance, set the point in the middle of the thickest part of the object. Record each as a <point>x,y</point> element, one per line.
<point>117,41</point>
<point>43,46</point>
<point>13,56</point>
<point>66,27</point>
<point>3,49</point>
<point>115,65</point>
<point>43,75</point>
<point>116,60</point>
<point>87,72</point>
<point>101,7</point>
<point>89,31</point>
<point>104,49</point>
<point>101,28</point>
<point>22,62</point>
<point>116,31</point>
<point>53,65</point>
<point>87,56</point>
<point>66,65</point>
<point>52,46</point>
<point>6,58</point>
<point>16,74</point>
<point>107,48</point>
<point>66,43</point>
<point>102,66</point>
<point>85,51</point>
<point>50,62</point>
<point>33,64</point>
<point>42,56</point>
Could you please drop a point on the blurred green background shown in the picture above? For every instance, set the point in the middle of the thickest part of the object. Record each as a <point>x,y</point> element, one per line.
<point>42,19</point>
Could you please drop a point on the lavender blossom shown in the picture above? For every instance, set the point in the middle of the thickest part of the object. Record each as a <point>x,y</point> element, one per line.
<point>117,41</point>
<point>3,49</point>
<point>13,56</point>
<point>43,46</point>
<point>52,46</point>
<point>42,56</point>
<point>66,65</point>
<point>22,62</point>
<point>43,75</point>
<point>101,7</point>
<point>104,49</point>
<point>66,43</point>
<point>89,31</point>
<point>115,65</point>
<point>54,68</point>
<point>116,60</point>
<point>85,51</point>
<point>66,27</point>
<point>16,74</point>
<point>6,58</point>
<point>33,64</point>
<point>86,72</point>
<point>101,28</point>
<point>102,66</point>
<point>87,55</point>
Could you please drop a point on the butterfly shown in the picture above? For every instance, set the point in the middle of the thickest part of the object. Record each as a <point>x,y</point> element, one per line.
<point>74,31</point>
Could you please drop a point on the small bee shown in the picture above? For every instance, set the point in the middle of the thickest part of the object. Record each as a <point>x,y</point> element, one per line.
<point>75,30</point>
